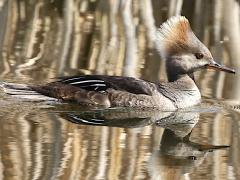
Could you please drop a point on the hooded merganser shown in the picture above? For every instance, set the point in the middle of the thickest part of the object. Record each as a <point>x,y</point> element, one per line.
<point>177,44</point>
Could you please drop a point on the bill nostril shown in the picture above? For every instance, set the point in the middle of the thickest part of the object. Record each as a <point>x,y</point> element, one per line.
<point>216,64</point>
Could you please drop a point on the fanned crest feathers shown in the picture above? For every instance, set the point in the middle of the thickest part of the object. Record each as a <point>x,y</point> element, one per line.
<point>174,35</point>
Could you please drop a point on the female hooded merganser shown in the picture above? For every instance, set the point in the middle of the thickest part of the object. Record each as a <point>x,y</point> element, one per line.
<point>177,44</point>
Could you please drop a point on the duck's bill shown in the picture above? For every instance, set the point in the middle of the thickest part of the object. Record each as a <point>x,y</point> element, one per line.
<point>220,67</point>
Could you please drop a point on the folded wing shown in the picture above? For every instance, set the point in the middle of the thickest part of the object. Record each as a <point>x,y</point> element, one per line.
<point>102,83</point>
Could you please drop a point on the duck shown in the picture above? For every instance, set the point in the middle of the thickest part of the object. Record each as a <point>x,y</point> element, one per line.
<point>183,54</point>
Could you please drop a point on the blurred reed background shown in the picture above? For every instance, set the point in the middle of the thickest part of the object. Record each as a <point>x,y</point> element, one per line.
<point>42,39</point>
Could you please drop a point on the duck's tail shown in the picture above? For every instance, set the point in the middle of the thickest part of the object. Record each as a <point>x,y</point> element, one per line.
<point>23,91</point>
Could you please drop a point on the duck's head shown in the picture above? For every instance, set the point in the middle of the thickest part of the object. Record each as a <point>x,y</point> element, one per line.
<point>183,51</point>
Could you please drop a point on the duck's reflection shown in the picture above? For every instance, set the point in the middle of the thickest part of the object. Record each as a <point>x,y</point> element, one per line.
<point>176,155</point>
<point>124,118</point>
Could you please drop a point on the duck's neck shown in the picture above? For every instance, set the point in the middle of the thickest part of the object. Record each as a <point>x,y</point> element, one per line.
<point>182,90</point>
<point>175,72</point>
<point>183,82</point>
<point>175,77</point>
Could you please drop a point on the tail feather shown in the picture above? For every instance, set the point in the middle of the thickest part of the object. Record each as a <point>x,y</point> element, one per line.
<point>23,91</point>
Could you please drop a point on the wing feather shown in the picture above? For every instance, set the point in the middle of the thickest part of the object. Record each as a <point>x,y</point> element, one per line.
<point>102,83</point>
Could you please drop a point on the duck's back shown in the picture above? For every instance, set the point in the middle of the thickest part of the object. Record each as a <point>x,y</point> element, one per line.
<point>108,91</point>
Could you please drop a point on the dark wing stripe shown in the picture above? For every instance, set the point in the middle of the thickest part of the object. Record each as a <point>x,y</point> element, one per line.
<point>91,85</point>
<point>97,85</point>
<point>102,83</point>
<point>87,81</point>
<point>73,79</point>
<point>94,87</point>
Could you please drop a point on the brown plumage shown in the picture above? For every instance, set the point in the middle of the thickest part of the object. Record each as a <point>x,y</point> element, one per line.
<point>177,44</point>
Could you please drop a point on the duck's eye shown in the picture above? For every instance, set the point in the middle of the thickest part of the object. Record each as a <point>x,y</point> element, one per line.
<point>199,55</point>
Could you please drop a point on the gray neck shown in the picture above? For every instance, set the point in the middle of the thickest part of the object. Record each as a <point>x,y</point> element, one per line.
<point>173,78</point>
<point>175,72</point>
<point>182,91</point>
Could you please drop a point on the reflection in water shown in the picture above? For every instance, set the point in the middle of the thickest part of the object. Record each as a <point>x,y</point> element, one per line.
<point>177,154</point>
<point>44,144</point>
<point>119,117</point>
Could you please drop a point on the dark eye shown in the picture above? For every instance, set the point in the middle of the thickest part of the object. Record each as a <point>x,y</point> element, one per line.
<point>199,55</point>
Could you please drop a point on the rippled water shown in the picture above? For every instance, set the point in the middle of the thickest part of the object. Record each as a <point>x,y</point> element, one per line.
<point>44,140</point>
